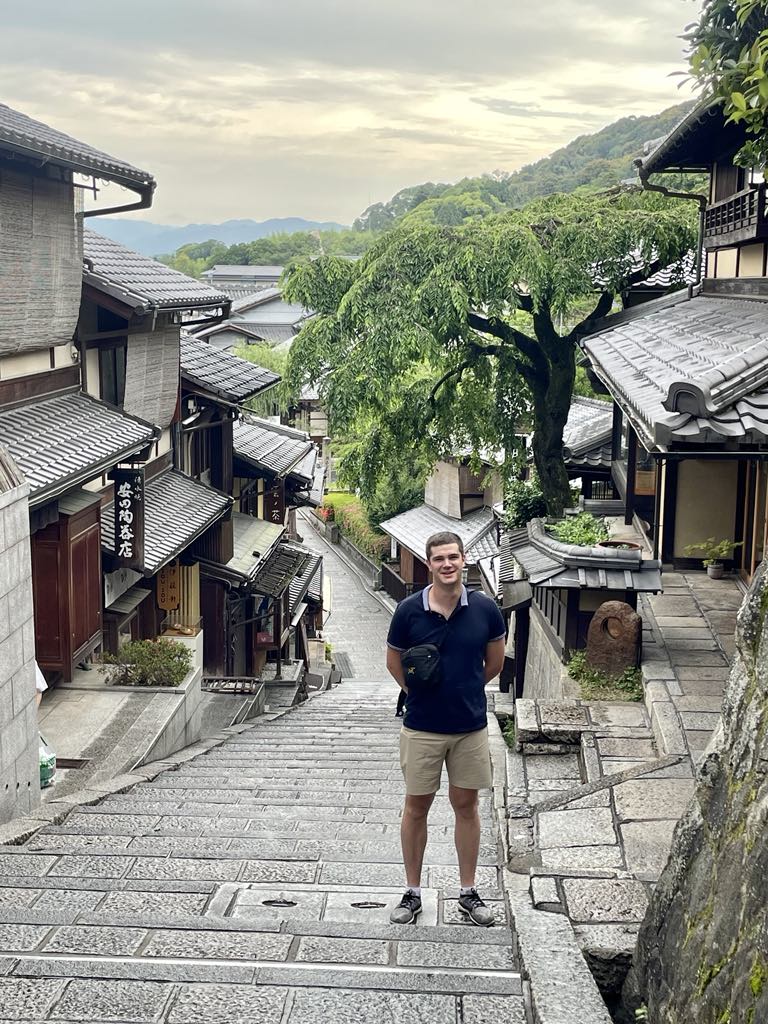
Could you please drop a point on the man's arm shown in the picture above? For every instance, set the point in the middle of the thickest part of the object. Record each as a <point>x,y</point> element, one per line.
<point>494,658</point>
<point>395,667</point>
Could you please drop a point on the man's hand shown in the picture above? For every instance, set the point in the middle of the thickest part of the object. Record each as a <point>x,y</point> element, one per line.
<point>494,658</point>
<point>395,668</point>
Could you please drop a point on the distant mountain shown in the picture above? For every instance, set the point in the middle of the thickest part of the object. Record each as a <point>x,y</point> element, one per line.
<point>156,239</point>
<point>595,161</point>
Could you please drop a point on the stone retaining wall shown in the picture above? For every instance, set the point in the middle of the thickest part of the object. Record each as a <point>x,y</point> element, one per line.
<point>545,675</point>
<point>19,743</point>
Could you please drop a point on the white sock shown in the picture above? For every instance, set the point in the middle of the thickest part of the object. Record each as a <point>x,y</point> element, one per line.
<point>466,890</point>
<point>415,889</point>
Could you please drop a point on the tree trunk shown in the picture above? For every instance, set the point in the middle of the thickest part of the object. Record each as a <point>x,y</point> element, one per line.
<point>551,404</point>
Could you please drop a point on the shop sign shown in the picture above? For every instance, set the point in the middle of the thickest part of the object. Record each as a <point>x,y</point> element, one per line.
<point>169,587</point>
<point>129,517</point>
<point>274,503</point>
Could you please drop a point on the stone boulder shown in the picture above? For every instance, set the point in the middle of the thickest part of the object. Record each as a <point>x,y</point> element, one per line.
<point>702,951</point>
<point>613,638</point>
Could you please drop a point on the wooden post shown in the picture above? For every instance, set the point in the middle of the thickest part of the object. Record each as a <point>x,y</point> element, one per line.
<point>629,507</point>
<point>616,434</point>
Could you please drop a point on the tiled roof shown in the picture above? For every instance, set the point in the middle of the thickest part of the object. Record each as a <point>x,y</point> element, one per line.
<point>270,447</point>
<point>546,562</point>
<point>254,271</point>
<point>255,297</point>
<point>693,370</point>
<point>696,140</point>
<point>23,135</point>
<point>11,476</point>
<point>61,442</point>
<point>412,530</point>
<point>254,539</point>
<point>587,433</point>
<point>177,510</point>
<point>270,333</point>
<point>222,373</point>
<point>308,582</point>
<point>141,282</point>
<point>279,569</point>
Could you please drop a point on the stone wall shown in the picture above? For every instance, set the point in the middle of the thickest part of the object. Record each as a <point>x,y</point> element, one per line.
<point>545,675</point>
<point>19,744</point>
<point>702,952</point>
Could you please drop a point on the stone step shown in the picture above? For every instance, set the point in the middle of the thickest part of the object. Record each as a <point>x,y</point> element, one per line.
<point>333,975</point>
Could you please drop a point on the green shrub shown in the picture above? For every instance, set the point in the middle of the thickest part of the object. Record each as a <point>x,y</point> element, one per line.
<point>149,663</point>
<point>353,521</point>
<point>583,529</point>
<point>596,685</point>
<point>523,501</point>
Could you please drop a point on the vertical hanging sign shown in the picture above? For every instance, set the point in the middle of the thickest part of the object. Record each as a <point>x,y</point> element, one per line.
<point>274,503</point>
<point>129,517</point>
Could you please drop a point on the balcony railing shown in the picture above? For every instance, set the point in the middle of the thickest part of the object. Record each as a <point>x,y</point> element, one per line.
<point>394,584</point>
<point>739,218</point>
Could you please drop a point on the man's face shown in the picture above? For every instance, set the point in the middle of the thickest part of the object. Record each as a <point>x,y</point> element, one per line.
<point>446,563</point>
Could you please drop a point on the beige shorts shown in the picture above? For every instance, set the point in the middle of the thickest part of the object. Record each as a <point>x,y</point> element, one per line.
<point>465,754</point>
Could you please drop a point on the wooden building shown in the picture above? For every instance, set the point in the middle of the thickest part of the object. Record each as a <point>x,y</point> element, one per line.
<point>65,441</point>
<point>457,499</point>
<point>688,372</point>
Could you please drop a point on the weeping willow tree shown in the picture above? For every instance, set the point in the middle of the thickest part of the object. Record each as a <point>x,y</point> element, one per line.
<point>442,339</point>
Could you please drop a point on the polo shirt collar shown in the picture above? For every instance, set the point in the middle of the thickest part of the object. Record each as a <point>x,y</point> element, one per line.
<point>463,600</point>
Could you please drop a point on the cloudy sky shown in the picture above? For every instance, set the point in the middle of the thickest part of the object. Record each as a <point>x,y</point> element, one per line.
<point>317,108</point>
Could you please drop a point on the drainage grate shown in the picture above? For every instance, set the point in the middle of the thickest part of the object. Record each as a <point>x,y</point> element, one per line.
<point>343,663</point>
<point>72,762</point>
<point>368,905</point>
<point>279,903</point>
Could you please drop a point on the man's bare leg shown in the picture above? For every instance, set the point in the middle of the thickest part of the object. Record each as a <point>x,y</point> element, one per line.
<point>413,835</point>
<point>466,832</point>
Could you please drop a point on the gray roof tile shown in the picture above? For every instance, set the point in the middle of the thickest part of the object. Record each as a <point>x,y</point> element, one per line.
<point>271,447</point>
<point>279,569</point>
<point>141,282</point>
<point>61,442</point>
<point>546,562</point>
<point>694,370</point>
<point>177,510</point>
<point>412,530</point>
<point>308,582</point>
<point>222,373</point>
<point>587,433</point>
<point>24,135</point>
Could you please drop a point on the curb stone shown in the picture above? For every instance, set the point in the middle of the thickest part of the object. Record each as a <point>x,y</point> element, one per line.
<point>550,956</point>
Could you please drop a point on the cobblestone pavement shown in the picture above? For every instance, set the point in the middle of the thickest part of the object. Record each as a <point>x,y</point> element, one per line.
<point>254,883</point>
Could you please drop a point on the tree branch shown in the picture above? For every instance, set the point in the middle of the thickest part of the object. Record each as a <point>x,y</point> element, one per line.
<point>601,309</point>
<point>457,371</point>
<point>528,347</point>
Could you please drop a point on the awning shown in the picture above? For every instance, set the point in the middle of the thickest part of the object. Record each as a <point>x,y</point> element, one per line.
<point>308,584</point>
<point>64,441</point>
<point>177,510</point>
<point>254,539</point>
<point>278,570</point>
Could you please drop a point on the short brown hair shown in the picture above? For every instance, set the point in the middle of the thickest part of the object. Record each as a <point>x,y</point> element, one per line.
<point>437,540</point>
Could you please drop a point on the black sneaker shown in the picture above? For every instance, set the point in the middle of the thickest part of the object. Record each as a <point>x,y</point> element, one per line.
<point>472,906</point>
<point>407,910</point>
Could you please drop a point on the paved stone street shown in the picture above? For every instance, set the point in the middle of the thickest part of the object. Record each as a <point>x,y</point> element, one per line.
<point>254,882</point>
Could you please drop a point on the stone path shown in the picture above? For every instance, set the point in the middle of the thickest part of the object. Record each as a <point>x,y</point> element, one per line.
<point>254,882</point>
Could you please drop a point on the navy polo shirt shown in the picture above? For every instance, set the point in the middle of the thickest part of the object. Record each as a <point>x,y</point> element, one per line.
<point>457,703</point>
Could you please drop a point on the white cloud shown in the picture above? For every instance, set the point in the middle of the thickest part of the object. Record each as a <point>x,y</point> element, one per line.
<point>318,107</point>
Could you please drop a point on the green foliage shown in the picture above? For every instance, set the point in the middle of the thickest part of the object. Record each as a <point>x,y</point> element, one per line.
<point>353,522</point>
<point>583,529</point>
<point>758,977</point>
<point>442,339</point>
<point>149,663</point>
<point>596,685</point>
<point>399,489</point>
<point>728,56</point>
<point>713,551</point>
<point>509,732</point>
<point>279,399</point>
<point>275,250</point>
<point>523,502</point>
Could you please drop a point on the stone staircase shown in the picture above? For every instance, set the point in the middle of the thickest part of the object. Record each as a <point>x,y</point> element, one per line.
<point>254,883</point>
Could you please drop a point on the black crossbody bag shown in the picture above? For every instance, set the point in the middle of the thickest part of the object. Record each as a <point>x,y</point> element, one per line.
<point>421,667</point>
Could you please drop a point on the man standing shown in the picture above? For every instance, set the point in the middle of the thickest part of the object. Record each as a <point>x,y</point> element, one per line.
<point>445,720</point>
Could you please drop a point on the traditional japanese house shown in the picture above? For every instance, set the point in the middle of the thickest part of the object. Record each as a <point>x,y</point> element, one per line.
<point>549,591</point>
<point>65,441</point>
<point>456,498</point>
<point>262,317</point>
<point>587,447</point>
<point>246,598</point>
<point>129,337</point>
<point>223,275</point>
<point>688,372</point>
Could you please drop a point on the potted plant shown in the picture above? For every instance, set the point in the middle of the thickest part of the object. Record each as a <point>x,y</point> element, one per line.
<point>713,552</point>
